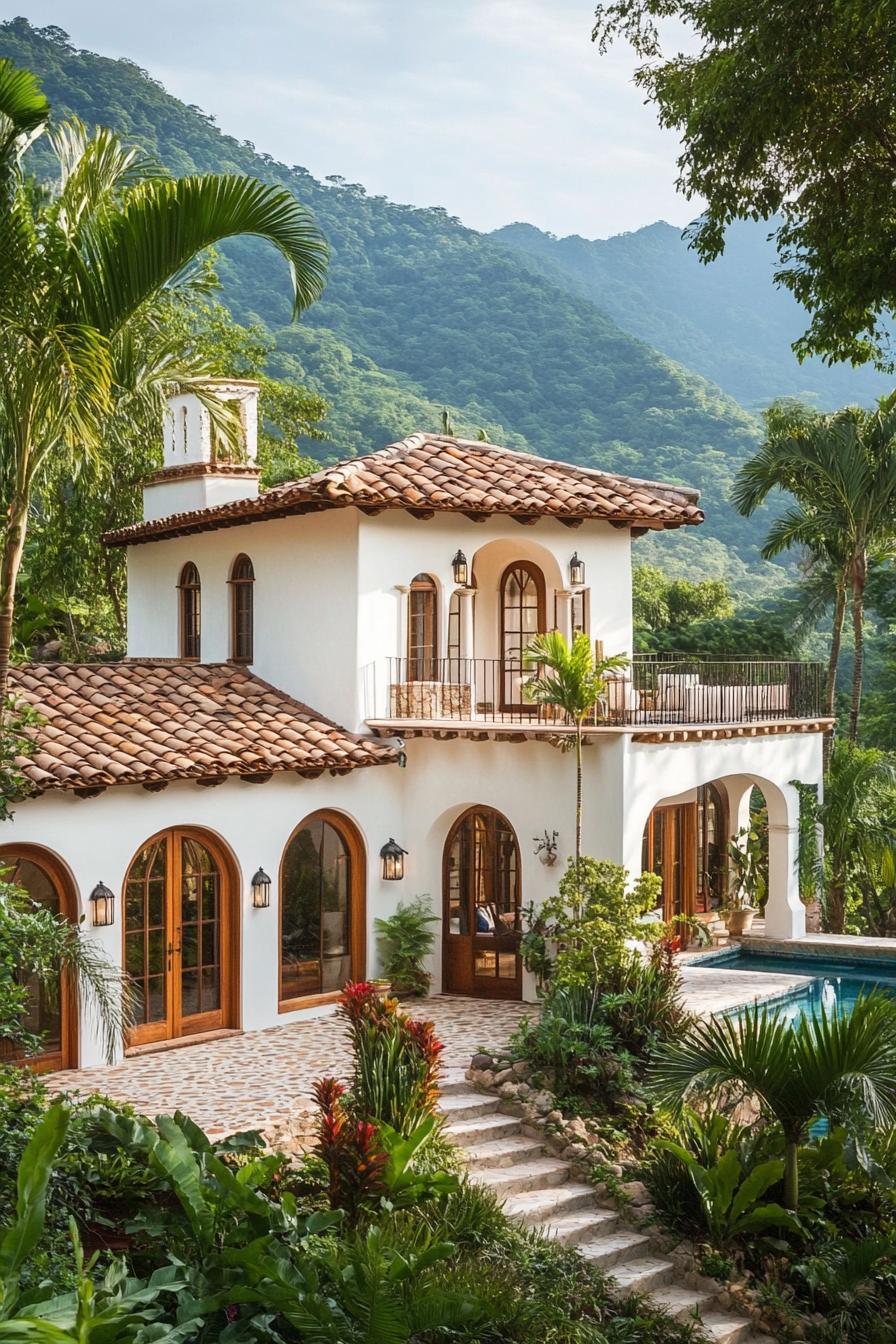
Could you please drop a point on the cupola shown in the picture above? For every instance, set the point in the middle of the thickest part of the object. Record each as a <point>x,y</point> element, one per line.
<point>195,473</point>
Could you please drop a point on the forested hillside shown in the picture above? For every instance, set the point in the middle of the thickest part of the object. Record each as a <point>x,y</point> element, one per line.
<point>420,312</point>
<point>727,321</point>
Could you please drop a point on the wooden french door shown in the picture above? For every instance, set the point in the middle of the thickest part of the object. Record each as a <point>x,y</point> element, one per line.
<point>482,902</point>
<point>670,851</point>
<point>52,1012</point>
<point>179,938</point>
<point>522,618</point>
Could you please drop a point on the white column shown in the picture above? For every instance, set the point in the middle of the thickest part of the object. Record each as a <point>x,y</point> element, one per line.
<point>785,914</point>
<point>467,640</point>
<point>402,651</point>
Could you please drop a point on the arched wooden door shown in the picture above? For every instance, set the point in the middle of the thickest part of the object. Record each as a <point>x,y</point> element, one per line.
<point>482,900</point>
<point>53,1011</point>
<point>323,925</point>
<point>522,618</point>
<point>181,937</point>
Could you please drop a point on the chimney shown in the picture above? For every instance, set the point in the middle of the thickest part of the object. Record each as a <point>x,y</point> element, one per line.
<point>193,475</point>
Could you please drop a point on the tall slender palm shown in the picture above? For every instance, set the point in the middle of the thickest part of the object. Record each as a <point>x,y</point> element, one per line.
<point>569,678</point>
<point>856,816</point>
<point>840,469</point>
<point>79,264</point>
<point>829,1066</point>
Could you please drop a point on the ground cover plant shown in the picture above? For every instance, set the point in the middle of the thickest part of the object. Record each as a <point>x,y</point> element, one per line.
<point>125,1230</point>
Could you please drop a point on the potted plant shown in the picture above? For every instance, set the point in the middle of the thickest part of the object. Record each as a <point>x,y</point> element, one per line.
<point>406,939</point>
<point>747,878</point>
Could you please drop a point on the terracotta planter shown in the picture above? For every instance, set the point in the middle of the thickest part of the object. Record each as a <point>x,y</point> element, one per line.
<point>740,921</point>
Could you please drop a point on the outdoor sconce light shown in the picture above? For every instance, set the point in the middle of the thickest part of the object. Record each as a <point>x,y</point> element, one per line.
<point>576,571</point>
<point>261,890</point>
<point>461,573</point>
<point>392,856</point>
<point>102,901</point>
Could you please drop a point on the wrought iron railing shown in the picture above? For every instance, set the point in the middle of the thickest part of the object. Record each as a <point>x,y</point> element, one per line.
<point>652,690</point>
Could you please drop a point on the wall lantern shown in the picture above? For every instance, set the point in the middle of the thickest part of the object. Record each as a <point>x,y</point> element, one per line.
<point>261,890</point>
<point>102,901</point>
<point>461,573</point>
<point>576,571</point>
<point>392,856</point>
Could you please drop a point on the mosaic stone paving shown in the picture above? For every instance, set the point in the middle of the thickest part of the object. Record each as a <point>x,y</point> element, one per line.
<point>262,1079</point>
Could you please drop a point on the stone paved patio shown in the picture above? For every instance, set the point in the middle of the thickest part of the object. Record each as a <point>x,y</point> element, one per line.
<point>262,1079</point>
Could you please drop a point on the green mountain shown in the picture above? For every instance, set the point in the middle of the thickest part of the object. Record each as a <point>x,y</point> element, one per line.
<point>728,321</point>
<point>421,312</point>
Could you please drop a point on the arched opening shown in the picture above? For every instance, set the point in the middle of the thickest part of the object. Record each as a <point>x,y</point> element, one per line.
<point>522,617</point>
<point>713,832</point>
<point>53,1010</point>
<point>181,936</point>
<point>242,610</point>
<point>322,910</point>
<point>482,901</point>
<point>189,591</point>
<point>423,629</point>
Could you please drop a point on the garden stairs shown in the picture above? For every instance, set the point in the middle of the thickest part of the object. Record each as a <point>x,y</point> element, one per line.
<point>538,1189</point>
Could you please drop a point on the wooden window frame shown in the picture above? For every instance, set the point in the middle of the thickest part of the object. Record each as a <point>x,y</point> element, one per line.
<point>423,666</point>
<point>189,591</point>
<point>535,574</point>
<point>66,889</point>
<point>242,623</point>
<point>357,908</point>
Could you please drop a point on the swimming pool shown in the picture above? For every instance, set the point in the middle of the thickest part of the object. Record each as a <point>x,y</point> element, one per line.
<point>833,988</point>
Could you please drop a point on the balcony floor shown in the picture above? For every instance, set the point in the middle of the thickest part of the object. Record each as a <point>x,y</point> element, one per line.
<point>660,729</point>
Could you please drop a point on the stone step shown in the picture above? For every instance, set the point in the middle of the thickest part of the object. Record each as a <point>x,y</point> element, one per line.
<point>453,1081</point>
<point>614,1249</point>
<point>466,1105</point>
<point>503,1152</point>
<point>725,1329</point>
<point>546,1206</point>
<point>539,1173</point>
<point>570,1229</point>
<point>482,1129</point>
<point>683,1302</point>
<point>643,1275</point>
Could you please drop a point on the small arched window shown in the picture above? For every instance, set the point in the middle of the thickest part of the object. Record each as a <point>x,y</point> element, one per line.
<point>422,629</point>
<point>189,593</point>
<point>242,610</point>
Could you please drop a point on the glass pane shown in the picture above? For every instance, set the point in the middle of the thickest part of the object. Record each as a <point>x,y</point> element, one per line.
<point>211,989</point>
<point>485,963</point>
<point>189,945</point>
<point>155,1000</point>
<point>209,944</point>
<point>189,993</point>
<point>315,912</point>
<point>507,965</point>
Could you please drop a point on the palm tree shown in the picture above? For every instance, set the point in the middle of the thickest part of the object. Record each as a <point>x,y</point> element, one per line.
<point>829,1066</point>
<point>840,469</point>
<point>36,945</point>
<point>80,263</point>
<point>856,816</point>
<point>570,678</point>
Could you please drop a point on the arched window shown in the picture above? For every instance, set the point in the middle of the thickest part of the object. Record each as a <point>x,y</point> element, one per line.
<point>51,1013</point>
<point>242,610</point>
<point>190,596</point>
<point>322,926</point>
<point>522,617</point>
<point>422,629</point>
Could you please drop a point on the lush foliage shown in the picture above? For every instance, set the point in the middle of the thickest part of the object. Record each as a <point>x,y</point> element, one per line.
<point>407,938</point>
<point>789,111</point>
<point>395,1060</point>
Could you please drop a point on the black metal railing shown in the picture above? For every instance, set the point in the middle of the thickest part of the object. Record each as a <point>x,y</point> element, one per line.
<point>653,689</point>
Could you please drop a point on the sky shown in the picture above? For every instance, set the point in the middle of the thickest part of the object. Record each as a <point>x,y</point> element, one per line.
<point>499,110</point>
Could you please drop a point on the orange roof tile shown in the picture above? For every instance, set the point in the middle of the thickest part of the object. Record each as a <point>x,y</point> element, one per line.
<point>435,472</point>
<point>150,721</point>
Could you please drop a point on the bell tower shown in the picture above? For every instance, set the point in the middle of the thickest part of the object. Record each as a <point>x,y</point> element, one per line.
<point>195,474</point>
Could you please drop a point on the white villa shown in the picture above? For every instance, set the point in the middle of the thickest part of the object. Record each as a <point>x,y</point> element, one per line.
<point>332,665</point>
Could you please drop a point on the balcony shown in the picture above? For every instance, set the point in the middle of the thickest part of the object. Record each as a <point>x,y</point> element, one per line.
<point>656,696</point>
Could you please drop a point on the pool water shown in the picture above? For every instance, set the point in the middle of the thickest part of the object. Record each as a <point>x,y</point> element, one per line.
<point>834,987</point>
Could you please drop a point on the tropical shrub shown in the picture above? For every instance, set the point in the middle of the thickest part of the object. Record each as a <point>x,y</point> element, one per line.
<point>732,1203</point>
<point>395,1060</point>
<point>407,938</point>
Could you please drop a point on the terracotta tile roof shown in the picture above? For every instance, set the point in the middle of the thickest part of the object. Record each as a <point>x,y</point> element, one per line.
<point>436,473</point>
<point>148,722</point>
